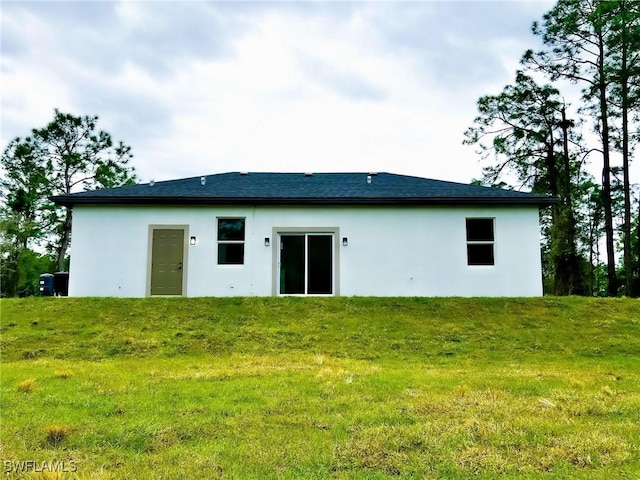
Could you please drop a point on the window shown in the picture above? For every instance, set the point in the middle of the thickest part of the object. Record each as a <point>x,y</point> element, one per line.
<point>230,241</point>
<point>480,239</point>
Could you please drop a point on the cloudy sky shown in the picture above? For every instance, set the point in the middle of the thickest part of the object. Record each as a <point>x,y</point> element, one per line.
<point>205,87</point>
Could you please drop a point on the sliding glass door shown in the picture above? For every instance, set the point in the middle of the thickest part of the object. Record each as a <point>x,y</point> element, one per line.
<point>306,264</point>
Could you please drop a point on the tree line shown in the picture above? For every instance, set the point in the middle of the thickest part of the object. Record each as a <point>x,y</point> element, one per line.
<point>69,154</point>
<point>532,138</point>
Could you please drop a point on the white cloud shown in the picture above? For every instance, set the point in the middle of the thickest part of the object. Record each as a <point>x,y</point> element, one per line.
<point>198,88</point>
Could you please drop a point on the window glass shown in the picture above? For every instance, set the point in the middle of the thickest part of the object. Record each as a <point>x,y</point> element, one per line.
<point>320,264</point>
<point>292,263</point>
<point>230,253</point>
<point>480,229</point>
<point>231,229</point>
<point>480,253</point>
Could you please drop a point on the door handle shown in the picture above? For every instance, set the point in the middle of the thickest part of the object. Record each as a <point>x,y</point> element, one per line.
<point>179,265</point>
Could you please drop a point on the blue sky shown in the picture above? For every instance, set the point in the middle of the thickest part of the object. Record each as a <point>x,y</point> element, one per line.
<point>205,87</point>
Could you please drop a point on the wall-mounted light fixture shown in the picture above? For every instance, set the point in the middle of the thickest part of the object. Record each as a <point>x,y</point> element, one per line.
<point>345,241</point>
<point>266,241</point>
<point>192,240</point>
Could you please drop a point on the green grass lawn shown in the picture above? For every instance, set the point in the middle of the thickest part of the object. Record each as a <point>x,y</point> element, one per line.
<point>344,388</point>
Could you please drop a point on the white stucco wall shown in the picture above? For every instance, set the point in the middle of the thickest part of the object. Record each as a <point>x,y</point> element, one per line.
<point>404,251</point>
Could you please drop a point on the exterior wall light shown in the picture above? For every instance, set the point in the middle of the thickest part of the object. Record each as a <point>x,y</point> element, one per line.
<point>345,241</point>
<point>192,240</point>
<point>266,241</point>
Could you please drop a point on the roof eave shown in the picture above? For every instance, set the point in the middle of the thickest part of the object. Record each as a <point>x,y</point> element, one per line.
<point>71,200</point>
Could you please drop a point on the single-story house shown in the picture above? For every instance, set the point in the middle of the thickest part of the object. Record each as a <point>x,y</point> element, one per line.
<point>242,233</point>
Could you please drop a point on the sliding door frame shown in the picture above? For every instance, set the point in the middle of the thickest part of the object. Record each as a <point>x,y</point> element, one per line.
<point>278,231</point>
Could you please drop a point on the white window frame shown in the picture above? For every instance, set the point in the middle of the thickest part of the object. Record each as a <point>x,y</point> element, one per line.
<point>230,242</point>
<point>481,242</point>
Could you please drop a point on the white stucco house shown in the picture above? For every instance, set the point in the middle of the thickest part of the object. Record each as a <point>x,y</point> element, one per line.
<point>305,234</point>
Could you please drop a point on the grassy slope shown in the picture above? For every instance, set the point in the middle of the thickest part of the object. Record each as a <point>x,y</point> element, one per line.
<point>324,388</point>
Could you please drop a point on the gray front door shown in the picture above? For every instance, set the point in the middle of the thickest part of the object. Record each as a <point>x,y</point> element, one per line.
<point>167,255</point>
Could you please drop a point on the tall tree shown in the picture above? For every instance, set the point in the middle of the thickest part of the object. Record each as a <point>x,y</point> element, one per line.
<point>526,129</point>
<point>623,64</point>
<point>589,219</point>
<point>575,33</point>
<point>67,155</point>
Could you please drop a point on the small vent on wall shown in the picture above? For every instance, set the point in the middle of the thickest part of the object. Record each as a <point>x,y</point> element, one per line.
<point>152,183</point>
<point>244,173</point>
<point>203,180</point>
<point>368,178</point>
<point>308,174</point>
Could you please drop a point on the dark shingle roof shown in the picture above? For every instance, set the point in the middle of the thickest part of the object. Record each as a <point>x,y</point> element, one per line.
<point>304,189</point>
